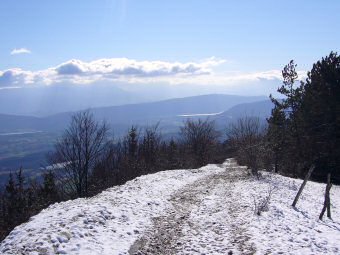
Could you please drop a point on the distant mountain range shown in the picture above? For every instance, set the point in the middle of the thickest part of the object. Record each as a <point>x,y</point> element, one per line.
<point>170,113</point>
<point>42,101</point>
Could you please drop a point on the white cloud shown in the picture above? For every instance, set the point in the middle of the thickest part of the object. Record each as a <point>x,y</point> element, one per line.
<point>73,67</point>
<point>124,70</point>
<point>123,67</point>
<point>20,51</point>
<point>16,77</point>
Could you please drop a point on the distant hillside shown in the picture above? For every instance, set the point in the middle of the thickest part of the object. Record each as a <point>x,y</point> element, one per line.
<point>261,109</point>
<point>125,115</point>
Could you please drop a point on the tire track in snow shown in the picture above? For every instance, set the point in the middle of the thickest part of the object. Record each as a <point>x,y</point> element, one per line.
<point>206,217</point>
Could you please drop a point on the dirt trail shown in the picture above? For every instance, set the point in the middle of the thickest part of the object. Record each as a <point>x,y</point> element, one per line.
<point>206,218</point>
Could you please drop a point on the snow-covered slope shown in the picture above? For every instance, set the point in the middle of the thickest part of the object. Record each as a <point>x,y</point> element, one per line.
<point>285,230</point>
<point>203,211</point>
<point>108,223</point>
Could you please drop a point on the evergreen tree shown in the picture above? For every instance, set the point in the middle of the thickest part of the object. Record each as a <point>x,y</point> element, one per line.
<point>10,200</point>
<point>132,140</point>
<point>276,136</point>
<point>321,111</point>
<point>21,196</point>
<point>49,190</point>
<point>304,127</point>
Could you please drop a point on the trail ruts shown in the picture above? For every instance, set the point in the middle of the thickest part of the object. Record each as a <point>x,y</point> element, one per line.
<point>169,234</point>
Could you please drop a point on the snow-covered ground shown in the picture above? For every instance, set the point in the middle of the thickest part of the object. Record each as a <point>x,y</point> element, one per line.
<point>204,211</point>
<point>108,223</point>
<point>285,230</point>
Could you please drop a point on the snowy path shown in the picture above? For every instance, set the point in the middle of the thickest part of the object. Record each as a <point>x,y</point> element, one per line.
<point>195,211</point>
<point>197,222</point>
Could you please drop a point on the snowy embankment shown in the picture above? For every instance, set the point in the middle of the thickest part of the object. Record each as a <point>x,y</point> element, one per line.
<point>108,223</point>
<point>285,230</point>
<point>205,211</point>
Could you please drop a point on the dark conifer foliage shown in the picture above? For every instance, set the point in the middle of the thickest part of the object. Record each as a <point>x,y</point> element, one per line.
<point>304,128</point>
<point>23,198</point>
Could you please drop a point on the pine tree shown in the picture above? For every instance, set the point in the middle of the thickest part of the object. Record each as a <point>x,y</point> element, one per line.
<point>49,190</point>
<point>305,125</point>
<point>276,136</point>
<point>132,143</point>
<point>10,201</point>
<point>21,196</point>
<point>321,111</point>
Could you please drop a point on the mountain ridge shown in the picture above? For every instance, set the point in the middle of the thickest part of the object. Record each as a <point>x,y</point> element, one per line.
<point>129,114</point>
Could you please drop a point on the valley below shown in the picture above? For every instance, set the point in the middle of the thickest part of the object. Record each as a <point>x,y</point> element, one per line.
<point>26,140</point>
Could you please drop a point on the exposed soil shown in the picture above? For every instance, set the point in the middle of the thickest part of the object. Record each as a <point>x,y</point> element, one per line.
<point>199,213</point>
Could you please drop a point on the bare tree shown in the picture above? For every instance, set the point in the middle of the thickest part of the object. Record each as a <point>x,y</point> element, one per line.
<point>246,138</point>
<point>77,151</point>
<point>200,137</point>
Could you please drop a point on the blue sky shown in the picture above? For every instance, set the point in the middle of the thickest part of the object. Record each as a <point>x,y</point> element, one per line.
<point>250,36</point>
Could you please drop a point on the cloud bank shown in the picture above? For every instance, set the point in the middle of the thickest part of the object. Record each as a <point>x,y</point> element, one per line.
<point>123,67</point>
<point>20,51</point>
<point>124,70</point>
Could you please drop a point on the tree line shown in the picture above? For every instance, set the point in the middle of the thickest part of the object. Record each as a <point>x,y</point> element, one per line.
<point>303,129</point>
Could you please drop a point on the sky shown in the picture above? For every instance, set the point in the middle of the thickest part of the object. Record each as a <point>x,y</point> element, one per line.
<point>208,43</point>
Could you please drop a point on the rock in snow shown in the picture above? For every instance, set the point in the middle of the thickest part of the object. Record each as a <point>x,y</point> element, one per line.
<point>199,211</point>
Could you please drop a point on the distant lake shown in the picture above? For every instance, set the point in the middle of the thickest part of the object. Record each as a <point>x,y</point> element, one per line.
<point>200,114</point>
<point>20,133</point>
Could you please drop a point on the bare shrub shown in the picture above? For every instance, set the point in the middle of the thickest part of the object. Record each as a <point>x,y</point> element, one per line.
<point>246,137</point>
<point>261,204</point>
<point>201,138</point>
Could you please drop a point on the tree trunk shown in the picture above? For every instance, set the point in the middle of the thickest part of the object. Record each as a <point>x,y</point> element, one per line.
<point>276,164</point>
<point>327,202</point>
<point>310,171</point>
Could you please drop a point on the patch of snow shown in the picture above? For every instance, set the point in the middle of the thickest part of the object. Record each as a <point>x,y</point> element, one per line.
<point>56,166</point>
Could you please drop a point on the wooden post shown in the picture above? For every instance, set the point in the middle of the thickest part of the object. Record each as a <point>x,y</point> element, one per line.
<point>327,202</point>
<point>311,169</point>
<point>329,196</point>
